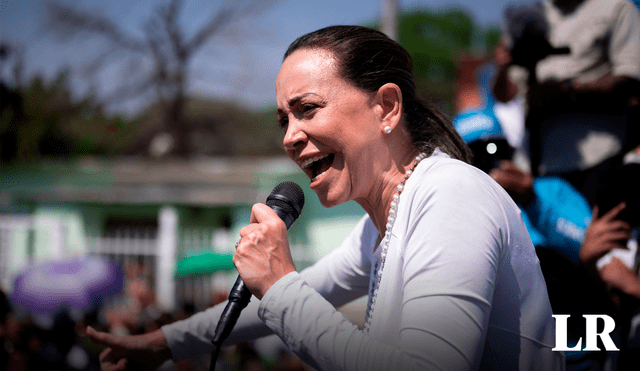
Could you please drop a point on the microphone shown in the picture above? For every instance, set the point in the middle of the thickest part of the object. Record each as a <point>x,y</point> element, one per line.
<point>286,200</point>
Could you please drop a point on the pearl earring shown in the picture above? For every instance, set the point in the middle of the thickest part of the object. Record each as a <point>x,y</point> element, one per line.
<point>387,129</point>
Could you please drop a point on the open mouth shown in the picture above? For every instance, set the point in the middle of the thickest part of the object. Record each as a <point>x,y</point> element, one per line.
<point>317,166</point>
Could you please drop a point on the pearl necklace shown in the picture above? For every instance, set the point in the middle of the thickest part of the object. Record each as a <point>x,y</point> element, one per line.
<point>393,211</point>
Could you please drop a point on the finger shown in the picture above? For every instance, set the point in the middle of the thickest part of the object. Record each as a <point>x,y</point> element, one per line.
<point>617,237</point>
<point>121,365</point>
<point>105,355</point>
<point>262,213</point>
<point>611,214</point>
<point>257,212</point>
<point>594,215</point>
<point>116,344</point>
<point>247,230</point>
<point>99,337</point>
<point>601,227</point>
<point>619,225</point>
<point>110,363</point>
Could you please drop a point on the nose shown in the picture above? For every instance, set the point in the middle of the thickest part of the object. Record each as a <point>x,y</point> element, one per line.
<point>294,137</point>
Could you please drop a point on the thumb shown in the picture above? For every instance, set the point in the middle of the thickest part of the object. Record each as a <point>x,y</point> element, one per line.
<point>261,212</point>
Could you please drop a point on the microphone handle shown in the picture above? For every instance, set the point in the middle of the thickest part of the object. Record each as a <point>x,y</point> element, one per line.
<point>240,296</point>
<point>238,299</point>
<point>287,205</point>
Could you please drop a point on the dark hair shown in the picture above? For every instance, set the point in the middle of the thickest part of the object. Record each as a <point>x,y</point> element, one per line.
<point>368,59</point>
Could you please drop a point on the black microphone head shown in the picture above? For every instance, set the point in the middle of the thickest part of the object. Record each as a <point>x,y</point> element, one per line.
<point>287,200</point>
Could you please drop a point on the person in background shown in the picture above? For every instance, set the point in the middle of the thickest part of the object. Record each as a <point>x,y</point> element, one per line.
<point>442,253</point>
<point>5,340</point>
<point>555,213</point>
<point>610,251</point>
<point>140,306</point>
<point>576,61</point>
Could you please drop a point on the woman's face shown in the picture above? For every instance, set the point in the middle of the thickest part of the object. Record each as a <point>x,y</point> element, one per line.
<point>332,129</point>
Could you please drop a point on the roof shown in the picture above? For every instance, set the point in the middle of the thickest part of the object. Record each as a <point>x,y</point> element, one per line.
<point>204,181</point>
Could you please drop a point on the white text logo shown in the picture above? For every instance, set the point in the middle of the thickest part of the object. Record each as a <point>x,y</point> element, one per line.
<point>592,334</point>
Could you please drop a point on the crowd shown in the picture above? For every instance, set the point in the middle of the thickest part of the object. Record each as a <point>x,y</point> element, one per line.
<point>558,130</point>
<point>30,345</point>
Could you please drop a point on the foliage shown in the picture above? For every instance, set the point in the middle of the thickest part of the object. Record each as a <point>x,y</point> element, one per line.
<point>216,129</point>
<point>436,42</point>
<point>42,119</point>
<point>491,37</point>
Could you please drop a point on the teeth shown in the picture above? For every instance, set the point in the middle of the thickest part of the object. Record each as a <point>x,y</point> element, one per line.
<point>304,164</point>
<point>318,176</point>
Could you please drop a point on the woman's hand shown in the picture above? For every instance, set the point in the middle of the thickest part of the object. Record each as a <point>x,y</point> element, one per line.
<point>262,256</point>
<point>603,234</point>
<point>131,352</point>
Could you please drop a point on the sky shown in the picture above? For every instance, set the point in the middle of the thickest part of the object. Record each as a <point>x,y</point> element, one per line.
<point>242,72</point>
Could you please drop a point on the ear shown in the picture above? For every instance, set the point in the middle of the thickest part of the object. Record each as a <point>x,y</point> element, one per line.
<point>389,101</point>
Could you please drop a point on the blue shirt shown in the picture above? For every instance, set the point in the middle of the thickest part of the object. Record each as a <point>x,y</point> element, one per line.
<point>558,217</point>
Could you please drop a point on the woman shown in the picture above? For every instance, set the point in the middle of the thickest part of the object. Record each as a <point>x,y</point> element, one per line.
<point>451,274</point>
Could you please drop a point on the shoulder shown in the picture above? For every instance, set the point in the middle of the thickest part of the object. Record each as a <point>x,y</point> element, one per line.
<point>609,8</point>
<point>443,176</point>
<point>451,205</point>
<point>449,189</point>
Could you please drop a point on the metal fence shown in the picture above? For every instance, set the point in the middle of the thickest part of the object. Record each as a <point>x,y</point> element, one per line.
<point>157,250</point>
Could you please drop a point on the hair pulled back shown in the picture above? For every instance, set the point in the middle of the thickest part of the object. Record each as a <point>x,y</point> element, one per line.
<point>368,59</point>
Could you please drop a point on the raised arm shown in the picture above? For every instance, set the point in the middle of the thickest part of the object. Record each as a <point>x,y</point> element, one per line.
<point>341,277</point>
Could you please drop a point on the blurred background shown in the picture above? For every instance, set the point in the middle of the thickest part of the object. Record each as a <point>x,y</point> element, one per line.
<point>136,135</point>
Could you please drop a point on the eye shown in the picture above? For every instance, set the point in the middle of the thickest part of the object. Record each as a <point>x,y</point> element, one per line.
<point>283,122</point>
<point>306,107</point>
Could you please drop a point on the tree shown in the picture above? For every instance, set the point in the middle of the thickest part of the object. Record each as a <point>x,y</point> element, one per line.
<point>41,119</point>
<point>436,42</point>
<point>164,43</point>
